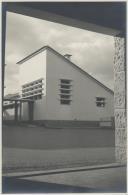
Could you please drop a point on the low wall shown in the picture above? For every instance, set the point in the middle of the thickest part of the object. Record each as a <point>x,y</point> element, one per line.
<point>33,148</point>
<point>31,137</point>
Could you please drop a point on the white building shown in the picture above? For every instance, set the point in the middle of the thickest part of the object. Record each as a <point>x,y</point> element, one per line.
<point>62,90</point>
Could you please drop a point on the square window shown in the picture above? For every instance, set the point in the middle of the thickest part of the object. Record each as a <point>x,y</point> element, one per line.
<point>100,101</point>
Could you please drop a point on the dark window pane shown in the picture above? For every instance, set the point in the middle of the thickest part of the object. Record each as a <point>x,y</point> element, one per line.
<point>65,81</point>
<point>65,86</point>
<point>100,98</point>
<point>65,96</point>
<point>65,102</point>
<point>65,91</point>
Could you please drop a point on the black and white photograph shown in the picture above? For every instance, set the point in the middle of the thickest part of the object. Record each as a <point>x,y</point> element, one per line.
<point>64,97</point>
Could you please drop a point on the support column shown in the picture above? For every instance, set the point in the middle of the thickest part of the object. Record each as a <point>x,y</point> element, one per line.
<point>4,12</point>
<point>20,114</point>
<point>120,99</point>
<point>16,111</point>
<point>30,110</point>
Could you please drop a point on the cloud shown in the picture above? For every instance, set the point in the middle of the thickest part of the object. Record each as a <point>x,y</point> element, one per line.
<point>91,51</point>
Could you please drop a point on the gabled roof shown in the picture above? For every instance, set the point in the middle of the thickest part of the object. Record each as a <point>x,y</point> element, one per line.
<point>33,54</point>
<point>71,63</point>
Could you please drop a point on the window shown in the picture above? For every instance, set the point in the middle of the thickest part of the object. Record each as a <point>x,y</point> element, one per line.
<point>65,81</point>
<point>65,96</point>
<point>100,101</point>
<point>33,90</point>
<point>65,86</point>
<point>65,102</point>
<point>65,91</point>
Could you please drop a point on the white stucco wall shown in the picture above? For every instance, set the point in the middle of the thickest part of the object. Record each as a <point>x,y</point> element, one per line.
<point>30,70</point>
<point>52,68</point>
<point>85,91</point>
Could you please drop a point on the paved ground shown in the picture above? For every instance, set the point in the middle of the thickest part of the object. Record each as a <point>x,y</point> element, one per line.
<point>12,185</point>
<point>100,180</point>
<point>17,159</point>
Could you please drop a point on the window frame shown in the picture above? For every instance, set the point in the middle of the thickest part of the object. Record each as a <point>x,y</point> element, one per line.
<point>100,101</point>
<point>33,90</point>
<point>65,91</point>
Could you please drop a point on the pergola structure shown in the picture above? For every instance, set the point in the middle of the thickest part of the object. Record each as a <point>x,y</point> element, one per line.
<point>17,106</point>
<point>103,17</point>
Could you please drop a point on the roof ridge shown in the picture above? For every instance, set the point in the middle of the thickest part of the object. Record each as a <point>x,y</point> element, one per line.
<point>32,54</point>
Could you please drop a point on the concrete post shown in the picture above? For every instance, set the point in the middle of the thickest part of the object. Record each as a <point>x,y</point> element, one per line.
<point>16,111</point>
<point>4,11</point>
<point>20,114</point>
<point>120,99</point>
<point>31,110</point>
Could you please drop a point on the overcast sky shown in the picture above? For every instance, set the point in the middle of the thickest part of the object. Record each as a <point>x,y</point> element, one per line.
<point>93,52</point>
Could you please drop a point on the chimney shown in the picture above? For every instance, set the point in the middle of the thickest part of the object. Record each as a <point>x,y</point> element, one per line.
<point>68,56</point>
